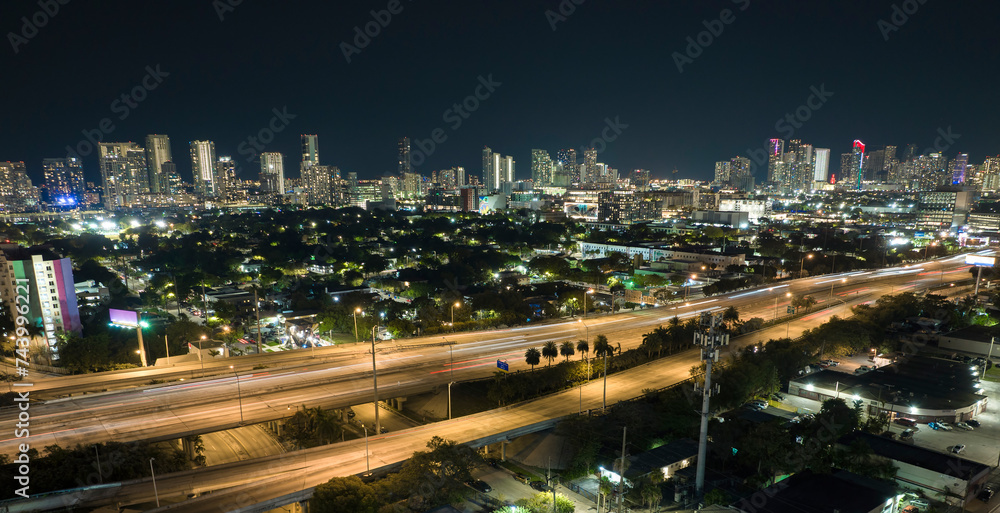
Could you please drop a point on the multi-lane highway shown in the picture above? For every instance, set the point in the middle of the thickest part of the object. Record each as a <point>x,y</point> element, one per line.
<point>205,405</point>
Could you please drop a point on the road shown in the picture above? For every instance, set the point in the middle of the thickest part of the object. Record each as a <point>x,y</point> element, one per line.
<point>201,406</point>
<point>301,470</point>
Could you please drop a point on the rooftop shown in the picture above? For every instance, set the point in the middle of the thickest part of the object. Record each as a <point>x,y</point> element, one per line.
<point>842,491</point>
<point>664,455</point>
<point>948,464</point>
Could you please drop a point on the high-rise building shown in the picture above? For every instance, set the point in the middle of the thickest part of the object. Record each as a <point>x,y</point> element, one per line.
<point>225,177</point>
<point>17,194</point>
<point>64,182</point>
<point>541,168</point>
<point>722,170</point>
<point>775,154</point>
<point>507,169</point>
<point>174,183</point>
<point>158,152</point>
<point>323,184</point>
<point>489,171</point>
<point>124,174</point>
<point>943,209</point>
<point>310,148</point>
<point>958,170</point>
<point>858,162</point>
<point>641,179</point>
<point>404,156</point>
<point>626,206</point>
<point>568,160</point>
<point>821,169</point>
<point>741,174</point>
<point>203,167</point>
<point>272,173</point>
<point>590,173</point>
<point>51,298</point>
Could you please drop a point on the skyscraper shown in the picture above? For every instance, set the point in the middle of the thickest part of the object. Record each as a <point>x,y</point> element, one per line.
<point>568,160</point>
<point>404,156</point>
<point>124,174</point>
<point>821,170</point>
<point>741,174</point>
<point>64,181</point>
<point>541,168</point>
<point>507,169</point>
<point>310,154</point>
<point>489,171</point>
<point>958,172</point>
<point>775,165</point>
<point>225,177</point>
<point>272,173</point>
<point>203,167</point>
<point>722,170</point>
<point>590,171</point>
<point>158,152</point>
<point>16,192</point>
<point>858,162</point>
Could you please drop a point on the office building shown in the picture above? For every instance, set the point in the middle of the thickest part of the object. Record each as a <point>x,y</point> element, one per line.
<point>958,170</point>
<point>203,167</point>
<point>741,174</point>
<point>158,152</point>
<point>272,173</point>
<point>64,182</point>
<point>225,178</point>
<point>626,206</point>
<point>124,174</point>
<point>568,160</point>
<point>590,173</point>
<point>943,209</point>
<point>51,292</point>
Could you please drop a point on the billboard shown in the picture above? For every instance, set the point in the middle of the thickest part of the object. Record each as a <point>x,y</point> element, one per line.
<point>980,261</point>
<point>124,317</point>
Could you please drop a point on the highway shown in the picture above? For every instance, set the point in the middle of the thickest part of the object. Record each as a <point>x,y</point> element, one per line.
<point>168,411</point>
<point>300,470</point>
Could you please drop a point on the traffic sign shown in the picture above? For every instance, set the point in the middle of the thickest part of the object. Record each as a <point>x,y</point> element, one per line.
<point>502,365</point>
<point>791,309</point>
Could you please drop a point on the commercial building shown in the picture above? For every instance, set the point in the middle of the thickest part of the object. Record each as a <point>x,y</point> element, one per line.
<point>756,209</point>
<point>838,491</point>
<point>943,209</point>
<point>656,253</point>
<point>124,174</point>
<point>64,181</point>
<point>37,277</point>
<point>627,206</point>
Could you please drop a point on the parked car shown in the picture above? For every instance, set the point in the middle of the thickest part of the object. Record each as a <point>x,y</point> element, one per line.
<point>778,396</point>
<point>481,486</point>
<point>944,426</point>
<point>760,404</point>
<point>964,426</point>
<point>522,478</point>
<point>911,509</point>
<point>958,449</point>
<point>903,421</point>
<point>540,486</point>
<point>920,503</point>
<point>933,425</point>
<point>986,494</point>
<point>973,422</point>
<point>907,433</point>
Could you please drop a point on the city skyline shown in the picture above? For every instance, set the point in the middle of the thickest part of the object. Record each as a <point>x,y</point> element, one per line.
<point>670,110</point>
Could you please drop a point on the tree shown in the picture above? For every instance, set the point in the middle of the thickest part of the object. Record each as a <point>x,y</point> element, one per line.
<point>717,496</point>
<point>730,315</point>
<point>532,357</point>
<point>550,351</point>
<point>583,347</point>
<point>602,347</point>
<point>542,503</point>
<point>344,495</point>
<point>566,349</point>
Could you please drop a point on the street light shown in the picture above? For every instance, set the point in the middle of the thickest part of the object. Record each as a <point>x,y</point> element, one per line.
<point>589,291</point>
<point>378,426</point>
<point>201,357</point>
<point>687,288</point>
<point>356,312</point>
<point>453,307</point>
<point>588,347</point>
<point>368,466</point>
<point>842,280</point>
<point>239,392</point>
<point>788,325</point>
<point>988,357</point>
<point>802,263</point>
<point>153,472</point>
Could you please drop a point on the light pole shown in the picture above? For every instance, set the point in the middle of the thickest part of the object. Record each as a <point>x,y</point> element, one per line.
<point>453,307</point>
<point>988,356</point>
<point>378,426</point>
<point>775,305</point>
<point>589,291</point>
<point>239,392</point>
<point>167,347</point>
<point>368,465</point>
<point>452,380</point>
<point>153,472</point>
<point>604,405</point>
<point>688,287</point>
<point>789,323</point>
<point>201,357</point>
<point>802,264</point>
<point>177,298</point>
<point>588,347</point>
<point>138,333</point>
<point>356,312</point>
<point>842,280</point>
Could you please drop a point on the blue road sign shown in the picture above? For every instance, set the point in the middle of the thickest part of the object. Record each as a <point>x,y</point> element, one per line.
<point>502,365</point>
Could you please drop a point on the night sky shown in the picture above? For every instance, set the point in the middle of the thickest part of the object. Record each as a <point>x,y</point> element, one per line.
<point>605,60</point>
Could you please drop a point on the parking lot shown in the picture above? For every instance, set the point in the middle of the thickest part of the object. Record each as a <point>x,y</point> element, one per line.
<point>507,489</point>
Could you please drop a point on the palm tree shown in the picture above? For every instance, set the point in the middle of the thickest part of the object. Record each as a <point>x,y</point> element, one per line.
<point>325,425</point>
<point>602,347</point>
<point>550,351</point>
<point>730,315</point>
<point>655,340</point>
<point>583,347</point>
<point>532,357</point>
<point>566,349</point>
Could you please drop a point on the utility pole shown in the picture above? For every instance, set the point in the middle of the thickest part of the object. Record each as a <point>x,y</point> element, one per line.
<point>710,339</point>
<point>378,426</point>
<point>256,307</point>
<point>138,331</point>
<point>621,476</point>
